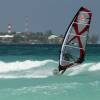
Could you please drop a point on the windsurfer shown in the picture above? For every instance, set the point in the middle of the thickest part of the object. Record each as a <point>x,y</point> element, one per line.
<point>63,68</point>
<point>67,56</point>
<point>80,60</point>
<point>75,40</point>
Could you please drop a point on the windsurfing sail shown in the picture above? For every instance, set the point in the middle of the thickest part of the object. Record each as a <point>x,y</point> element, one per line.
<point>75,40</point>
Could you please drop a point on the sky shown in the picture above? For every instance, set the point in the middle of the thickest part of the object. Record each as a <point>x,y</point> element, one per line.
<point>45,15</point>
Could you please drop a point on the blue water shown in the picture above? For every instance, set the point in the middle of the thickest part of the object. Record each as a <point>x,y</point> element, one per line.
<point>26,74</point>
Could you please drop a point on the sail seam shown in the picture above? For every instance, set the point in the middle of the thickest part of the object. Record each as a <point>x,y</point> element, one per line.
<point>86,12</point>
<point>81,23</point>
<point>77,35</point>
<point>74,47</point>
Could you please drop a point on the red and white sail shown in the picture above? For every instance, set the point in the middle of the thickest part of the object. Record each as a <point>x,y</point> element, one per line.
<point>75,40</point>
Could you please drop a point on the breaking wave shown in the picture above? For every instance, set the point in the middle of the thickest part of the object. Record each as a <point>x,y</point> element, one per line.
<point>41,69</point>
<point>95,67</point>
<point>86,67</point>
<point>18,65</point>
<point>26,69</point>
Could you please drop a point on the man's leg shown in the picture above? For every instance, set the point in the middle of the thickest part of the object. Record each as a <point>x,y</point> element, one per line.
<point>63,71</point>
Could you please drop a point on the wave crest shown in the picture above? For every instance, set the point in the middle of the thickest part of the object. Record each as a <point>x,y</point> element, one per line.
<point>41,69</point>
<point>94,67</point>
<point>22,65</point>
<point>27,69</point>
<point>85,67</point>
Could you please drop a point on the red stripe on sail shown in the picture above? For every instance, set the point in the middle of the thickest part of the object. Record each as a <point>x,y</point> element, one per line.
<point>75,25</point>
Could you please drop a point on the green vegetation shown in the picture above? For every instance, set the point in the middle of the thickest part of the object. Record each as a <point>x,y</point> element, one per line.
<point>36,38</point>
<point>29,38</point>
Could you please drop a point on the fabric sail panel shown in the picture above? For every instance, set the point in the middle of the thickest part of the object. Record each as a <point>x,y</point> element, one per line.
<point>75,40</point>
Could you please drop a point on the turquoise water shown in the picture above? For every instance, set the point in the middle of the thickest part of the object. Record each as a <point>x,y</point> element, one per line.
<point>26,74</point>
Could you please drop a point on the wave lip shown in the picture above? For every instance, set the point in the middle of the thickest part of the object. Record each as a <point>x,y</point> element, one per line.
<point>22,65</point>
<point>26,69</point>
<point>85,67</point>
<point>41,69</point>
<point>77,69</point>
<point>94,67</point>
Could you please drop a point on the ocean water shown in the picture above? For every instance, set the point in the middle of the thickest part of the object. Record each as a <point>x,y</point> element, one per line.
<point>26,74</point>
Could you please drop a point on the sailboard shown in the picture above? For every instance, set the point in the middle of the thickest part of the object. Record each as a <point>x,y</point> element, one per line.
<point>75,40</point>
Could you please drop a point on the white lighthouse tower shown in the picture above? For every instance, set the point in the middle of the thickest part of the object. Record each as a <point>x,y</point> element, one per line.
<point>9,28</point>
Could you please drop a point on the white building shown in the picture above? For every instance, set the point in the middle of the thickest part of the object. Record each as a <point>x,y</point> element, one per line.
<point>52,37</point>
<point>6,36</point>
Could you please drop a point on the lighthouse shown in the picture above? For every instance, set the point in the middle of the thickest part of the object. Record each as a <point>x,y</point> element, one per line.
<point>9,28</point>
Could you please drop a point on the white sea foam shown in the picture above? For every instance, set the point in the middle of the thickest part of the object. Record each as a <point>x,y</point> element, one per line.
<point>94,67</point>
<point>24,65</point>
<point>22,76</point>
<point>26,69</point>
<point>78,69</point>
<point>40,69</point>
<point>84,68</point>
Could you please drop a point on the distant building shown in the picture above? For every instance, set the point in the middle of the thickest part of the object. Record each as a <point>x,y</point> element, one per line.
<point>6,36</point>
<point>18,32</point>
<point>60,39</point>
<point>9,28</point>
<point>6,39</point>
<point>52,37</point>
